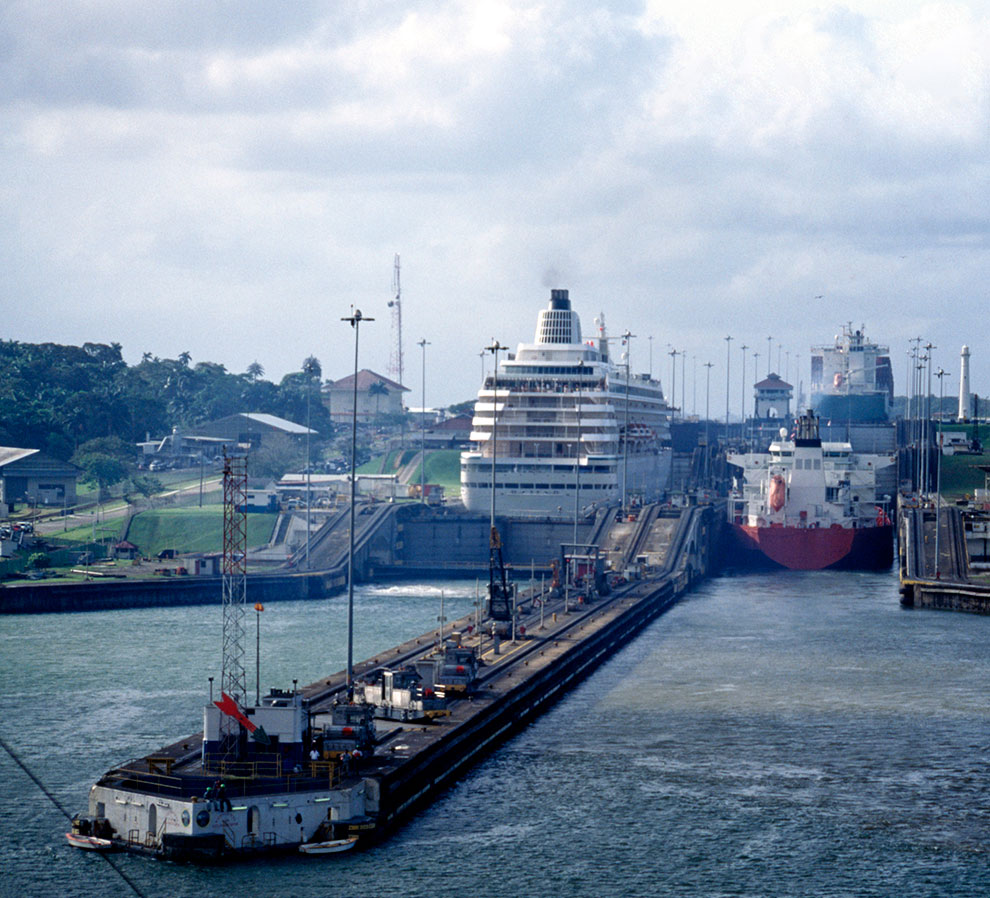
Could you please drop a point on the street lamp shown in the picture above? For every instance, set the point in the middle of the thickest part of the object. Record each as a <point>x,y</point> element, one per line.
<point>928,417</point>
<point>694,384</point>
<point>744,347</point>
<point>422,413</point>
<point>355,320</point>
<point>673,376</point>
<point>495,348</point>
<point>938,475</point>
<point>627,342</point>
<point>708,381</point>
<point>919,380</point>
<point>577,453</point>
<point>309,368</point>
<point>769,354</point>
<point>258,608</point>
<point>728,341</point>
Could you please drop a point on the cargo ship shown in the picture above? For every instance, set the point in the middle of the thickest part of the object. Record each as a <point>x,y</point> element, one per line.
<point>569,427</point>
<point>809,505</point>
<point>851,380</point>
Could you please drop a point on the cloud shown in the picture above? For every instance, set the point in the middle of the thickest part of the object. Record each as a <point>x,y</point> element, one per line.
<point>231,178</point>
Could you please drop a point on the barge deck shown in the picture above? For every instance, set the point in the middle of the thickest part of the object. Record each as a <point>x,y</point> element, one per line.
<point>557,642</point>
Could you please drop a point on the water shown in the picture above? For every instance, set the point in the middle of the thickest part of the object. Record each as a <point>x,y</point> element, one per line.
<point>799,735</point>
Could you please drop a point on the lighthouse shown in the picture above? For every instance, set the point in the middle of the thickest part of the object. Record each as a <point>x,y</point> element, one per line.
<point>963,384</point>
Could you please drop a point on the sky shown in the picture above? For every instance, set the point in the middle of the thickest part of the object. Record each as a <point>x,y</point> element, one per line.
<point>231,179</point>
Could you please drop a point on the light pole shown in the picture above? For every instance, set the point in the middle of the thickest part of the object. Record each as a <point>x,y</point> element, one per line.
<point>308,369</point>
<point>742,385</point>
<point>928,417</point>
<point>258,608</point>
<point>907,393</point>
<point>683,381</point>
<point>708,448</point>
<point>577,453</point>
<point>422,412</point>
<point>728,342</point>
<point>650,338</point>
<point>694,384</point>
<point>769,353</point>
<point>673,376</point>
<point>495,348</point>
<point>627,342</point>
<point>920,379</point>
<point>355,320</point>
<point>938,475</point>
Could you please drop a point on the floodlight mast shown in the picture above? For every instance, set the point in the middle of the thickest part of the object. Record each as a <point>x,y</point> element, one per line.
<point>355,320</point>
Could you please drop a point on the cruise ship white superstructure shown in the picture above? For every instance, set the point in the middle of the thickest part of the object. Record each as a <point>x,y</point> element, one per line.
<point>567,427</point>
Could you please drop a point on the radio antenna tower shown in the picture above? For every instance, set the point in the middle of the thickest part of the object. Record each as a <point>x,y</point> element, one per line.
<point>395,359</point>
<point>233,679</point>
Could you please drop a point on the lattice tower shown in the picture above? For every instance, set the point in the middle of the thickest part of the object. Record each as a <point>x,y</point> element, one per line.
<point>234,583</point>
<point>395,358</point>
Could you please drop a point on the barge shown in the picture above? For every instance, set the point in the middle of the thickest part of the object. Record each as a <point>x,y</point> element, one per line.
<point>309,766</point>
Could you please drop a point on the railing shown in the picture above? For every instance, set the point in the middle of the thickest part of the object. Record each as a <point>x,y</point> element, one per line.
<point>152,779</point>
<point>264,766</point>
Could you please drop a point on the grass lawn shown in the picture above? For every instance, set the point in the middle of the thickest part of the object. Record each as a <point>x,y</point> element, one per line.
<point>444,467</point>
<point>192,530</point>
<point>960,477</point>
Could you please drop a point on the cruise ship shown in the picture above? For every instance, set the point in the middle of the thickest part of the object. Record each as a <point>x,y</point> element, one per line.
<point>851,380</point>
<point>568,427</point>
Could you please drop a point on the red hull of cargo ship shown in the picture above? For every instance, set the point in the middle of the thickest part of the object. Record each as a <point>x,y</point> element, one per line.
<point>815,548</point>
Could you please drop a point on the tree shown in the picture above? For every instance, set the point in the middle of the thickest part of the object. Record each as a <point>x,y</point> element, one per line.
<point>147,485</point>
<point>105,462</point>
<point>378,389</point>
<point>39,561</point>
<point>254,371</point>
<point>103,470</point>
<point>311,368</point>
<point>278,455</point>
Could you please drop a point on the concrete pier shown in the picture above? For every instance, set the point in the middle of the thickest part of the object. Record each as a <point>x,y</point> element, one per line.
<point>945,583</point>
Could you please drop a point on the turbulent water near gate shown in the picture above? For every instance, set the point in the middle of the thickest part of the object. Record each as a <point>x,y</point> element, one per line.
<point>788,734</point>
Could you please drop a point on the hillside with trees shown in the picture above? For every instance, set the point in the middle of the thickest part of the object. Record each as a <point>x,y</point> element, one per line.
<point>60,398</point>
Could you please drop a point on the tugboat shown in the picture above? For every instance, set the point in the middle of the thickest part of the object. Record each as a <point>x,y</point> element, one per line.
<point>809,505</point>
<point>284,778</point>
<point>271,775</point>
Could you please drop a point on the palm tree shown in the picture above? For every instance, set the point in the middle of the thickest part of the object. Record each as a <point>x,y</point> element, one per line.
<point>254,370</point>
<point>311,367</point>
<point>378,389</point>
